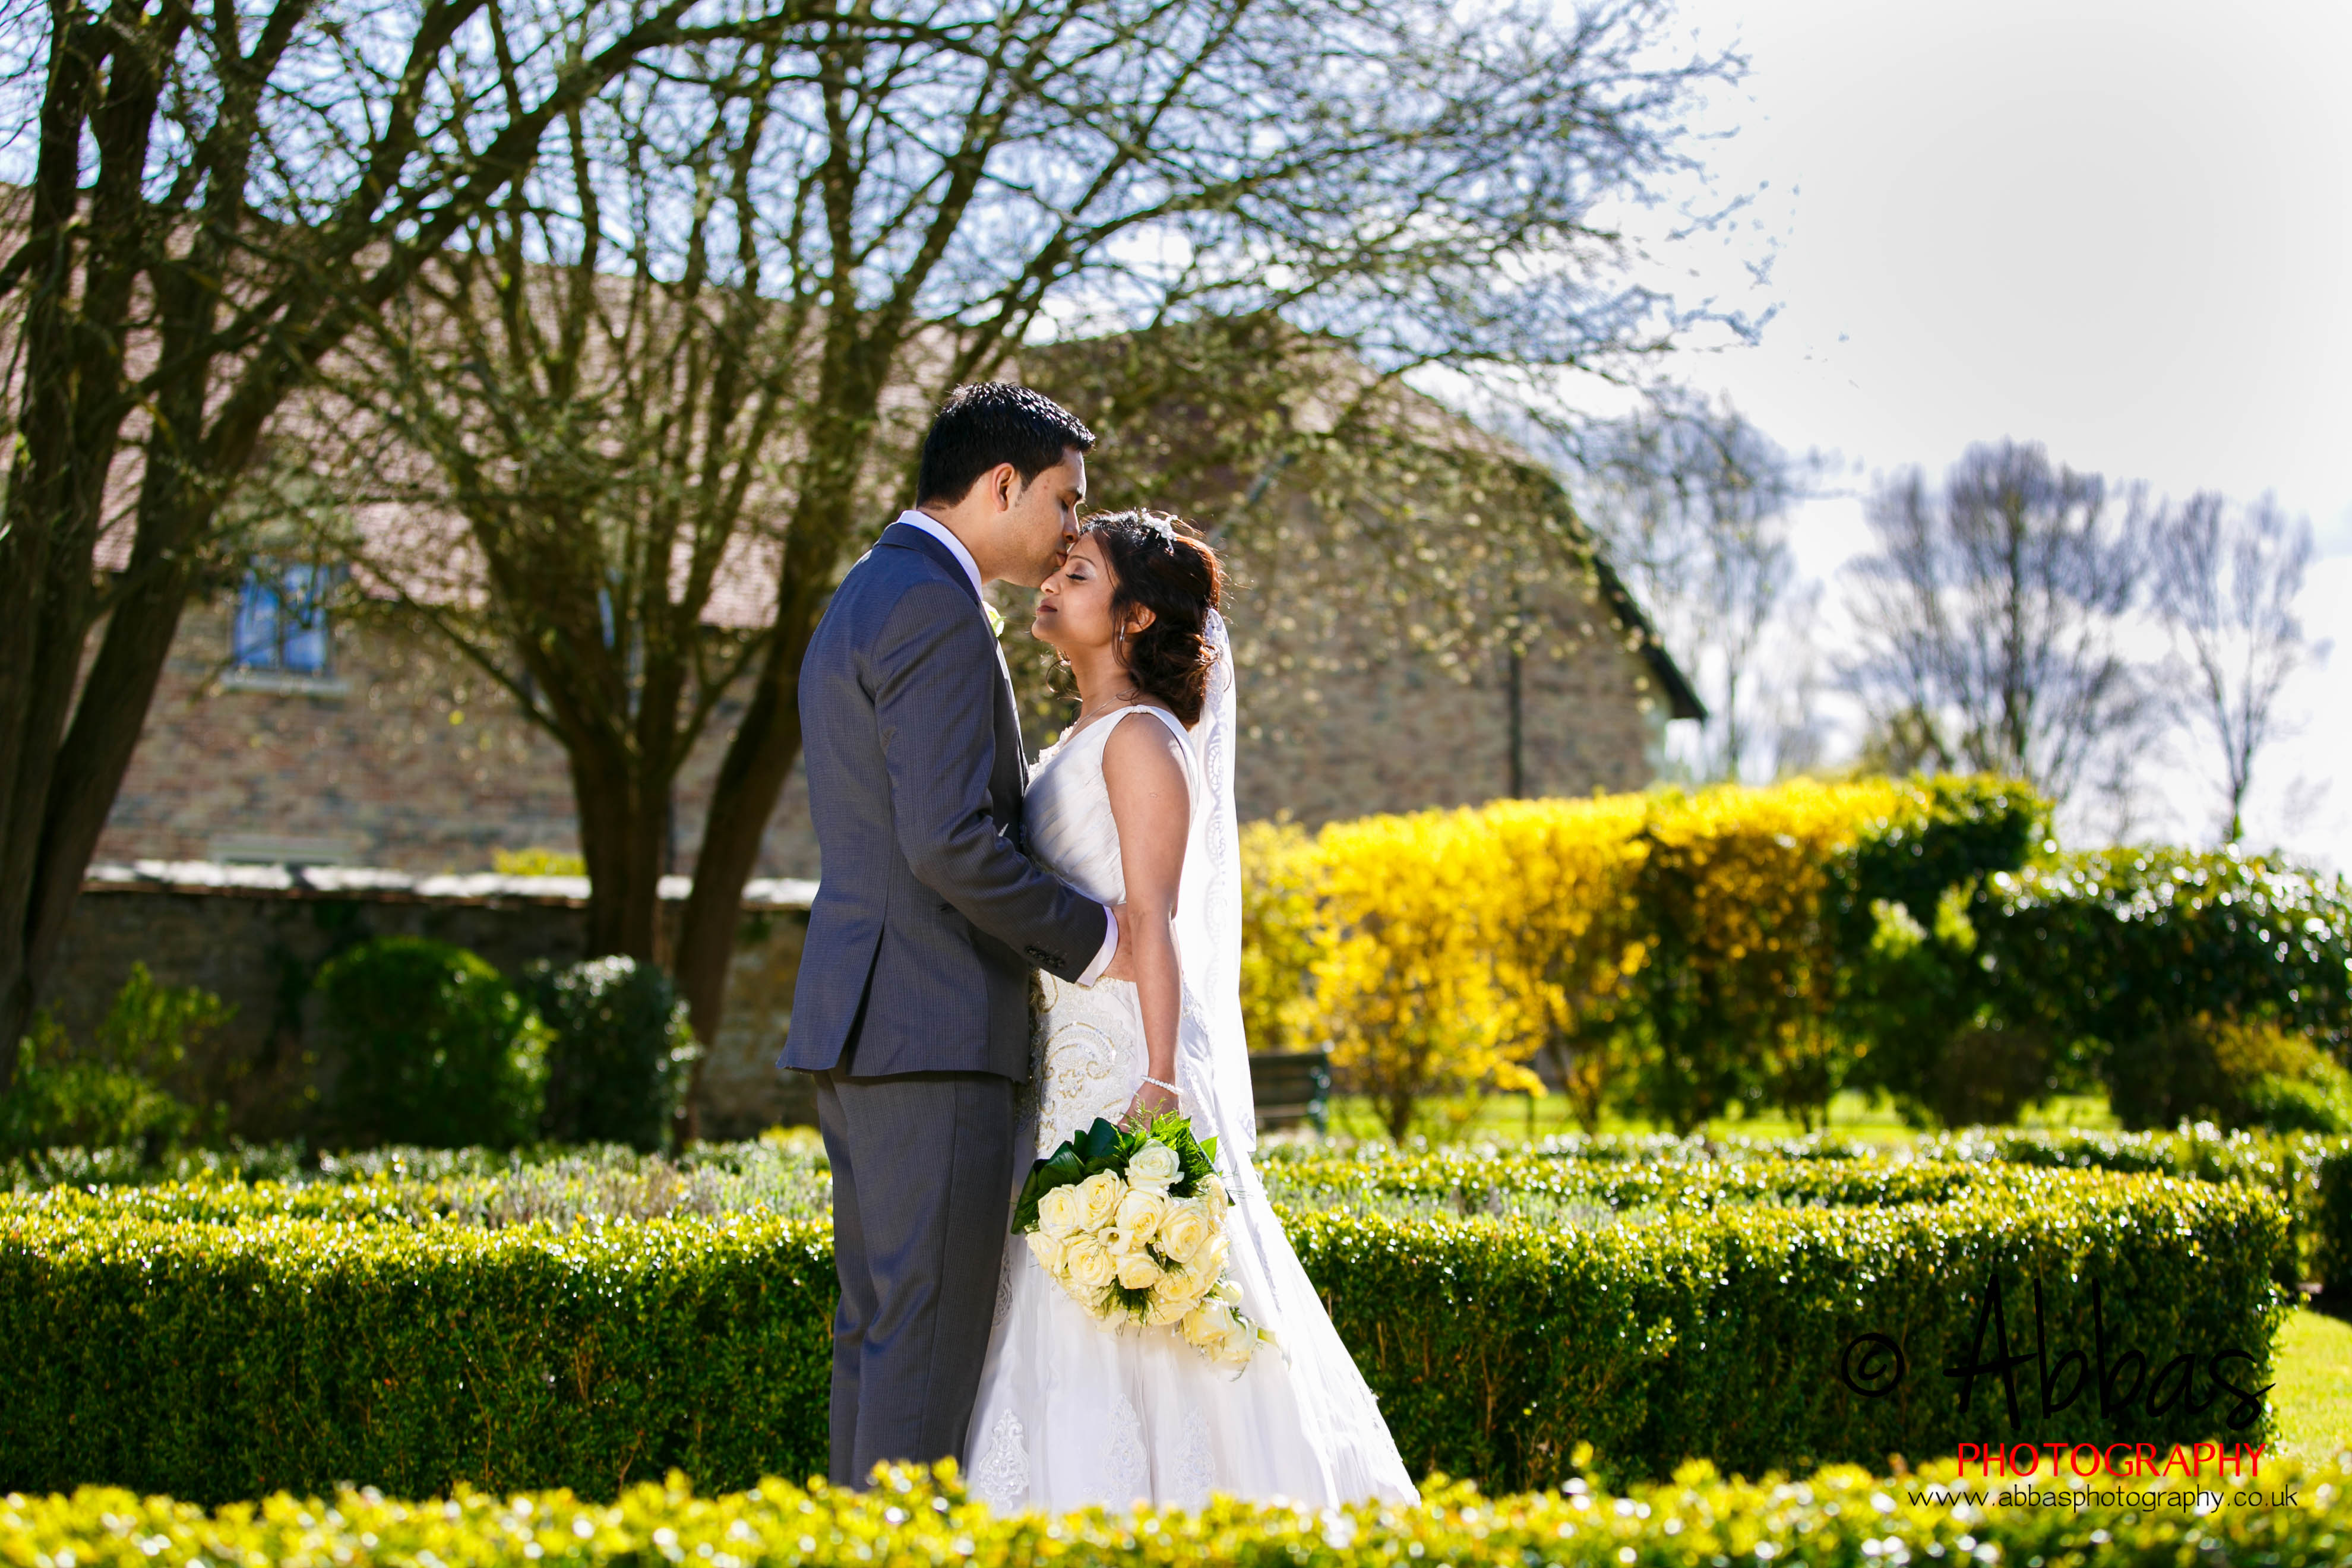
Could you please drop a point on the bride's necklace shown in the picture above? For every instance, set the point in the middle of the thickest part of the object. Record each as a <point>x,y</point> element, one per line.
<point>1088,713</point>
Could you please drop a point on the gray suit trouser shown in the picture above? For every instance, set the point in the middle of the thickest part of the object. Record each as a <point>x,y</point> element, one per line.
<point>922,1191</point>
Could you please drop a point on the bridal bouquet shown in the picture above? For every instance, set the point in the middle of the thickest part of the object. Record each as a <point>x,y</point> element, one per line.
<point>1132,1224</point>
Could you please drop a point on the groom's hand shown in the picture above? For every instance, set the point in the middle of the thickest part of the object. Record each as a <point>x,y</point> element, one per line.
<point>1122,959</point>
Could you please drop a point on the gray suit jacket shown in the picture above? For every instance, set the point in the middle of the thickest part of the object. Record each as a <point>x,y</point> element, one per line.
<point>928,918</point>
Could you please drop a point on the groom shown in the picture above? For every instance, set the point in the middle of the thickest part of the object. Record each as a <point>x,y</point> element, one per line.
<point>912,1006</point>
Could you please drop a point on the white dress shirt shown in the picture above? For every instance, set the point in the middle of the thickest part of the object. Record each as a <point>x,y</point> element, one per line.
<point>941,531</point>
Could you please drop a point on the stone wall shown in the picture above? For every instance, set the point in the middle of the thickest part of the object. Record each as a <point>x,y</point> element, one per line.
<point>257,935</point>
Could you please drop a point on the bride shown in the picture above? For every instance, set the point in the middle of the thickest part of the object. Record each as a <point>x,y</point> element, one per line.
<point>1135,806</point>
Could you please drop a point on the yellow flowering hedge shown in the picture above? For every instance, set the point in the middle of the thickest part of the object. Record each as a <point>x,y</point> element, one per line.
<point>2286,1514</point>
<point>1698,941</point>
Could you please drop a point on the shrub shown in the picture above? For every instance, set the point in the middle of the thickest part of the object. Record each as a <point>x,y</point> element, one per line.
<point>1405,979</point>
<point>59,1100</point>
<point>225,1360</point>
<point>1277,936</point>
<point>621,1059</point>
<point>437,1048</point>
<point>1697,953</point>
<point>2138,961</point>
<point>1842,1515</point>
<point>538,861</point>
<point>290,1337</point>
<point>117,1090</point>
<point>1496,1348</point>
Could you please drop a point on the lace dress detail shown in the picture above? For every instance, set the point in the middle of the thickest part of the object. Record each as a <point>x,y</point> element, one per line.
<point>1194,1473</point>
<point>1071,1411</point>
<point>1130,1464</point>
<point>1001,1478</point>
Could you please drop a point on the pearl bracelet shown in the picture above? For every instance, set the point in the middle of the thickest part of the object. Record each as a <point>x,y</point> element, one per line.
<point>1161,1083</point>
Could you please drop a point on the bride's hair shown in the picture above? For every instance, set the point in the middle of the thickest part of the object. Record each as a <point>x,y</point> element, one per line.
<point>1157,563</point>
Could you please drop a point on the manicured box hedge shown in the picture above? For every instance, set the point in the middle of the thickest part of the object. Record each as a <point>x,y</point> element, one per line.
<point>1841,1518</point>
<point>224,1360</point>
<point>2311,1174</point>
<point>173,1342</point>
<point>1720,1330</point>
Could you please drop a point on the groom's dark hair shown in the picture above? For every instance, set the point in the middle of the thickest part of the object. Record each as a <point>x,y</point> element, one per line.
<point>992,422</point>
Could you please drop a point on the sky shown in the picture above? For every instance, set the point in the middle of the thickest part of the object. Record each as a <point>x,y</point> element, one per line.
<point>2124,230</point>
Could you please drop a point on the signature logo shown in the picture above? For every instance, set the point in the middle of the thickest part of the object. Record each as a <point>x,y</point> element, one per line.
<point>1873,1365</point>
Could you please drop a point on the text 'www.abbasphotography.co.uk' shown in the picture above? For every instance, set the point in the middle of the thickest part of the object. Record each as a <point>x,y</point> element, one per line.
<point>2118,1378</point>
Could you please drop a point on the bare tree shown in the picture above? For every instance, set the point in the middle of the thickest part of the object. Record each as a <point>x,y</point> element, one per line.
<point>2226,583</point>
<point>218,196</point>
<point>566,458</point>
<point>1990,620</point>
<point>910,210</point>
<point>1692,504</point>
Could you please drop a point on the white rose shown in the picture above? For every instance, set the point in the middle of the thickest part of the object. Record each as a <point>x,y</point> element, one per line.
<point>1184,1229</point>
<point>1087,1265</point>
<point>1207,1327</point>
<point>1238,1345</point>
<point>1099,1196</point>
<point>1058,1210</point>
<point>1188,1286</point>
<point>1046,1248</point>
<point>1212,1196</point>
<point>1167,1306</point>
<point>1138,1272</point>
<point>1139,1212</point>
<point>1209,1262</point>
<point>1155,1167</point>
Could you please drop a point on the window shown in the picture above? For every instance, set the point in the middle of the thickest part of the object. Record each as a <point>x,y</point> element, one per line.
<point>281,620</point>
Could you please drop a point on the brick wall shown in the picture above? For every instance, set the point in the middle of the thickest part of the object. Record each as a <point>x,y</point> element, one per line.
<point>408,759</point>
<point>405,758</point>
<point>1378,729</point>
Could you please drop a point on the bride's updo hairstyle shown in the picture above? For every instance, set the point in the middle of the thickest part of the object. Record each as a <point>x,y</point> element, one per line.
<point>1157,563</point>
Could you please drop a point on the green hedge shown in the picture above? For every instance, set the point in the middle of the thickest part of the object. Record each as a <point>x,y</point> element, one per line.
<point>1840,1517</point>
<point>225,1360</point>
<point>1718,1331</point>
<point>2311,1175</point>
<point>264,1349</point>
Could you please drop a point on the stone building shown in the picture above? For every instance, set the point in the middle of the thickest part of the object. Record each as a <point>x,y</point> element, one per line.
<point>308,776</point>
<point>286,734</point>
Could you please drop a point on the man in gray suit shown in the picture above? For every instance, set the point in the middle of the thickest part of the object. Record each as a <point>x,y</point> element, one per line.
<point>912,1006</point>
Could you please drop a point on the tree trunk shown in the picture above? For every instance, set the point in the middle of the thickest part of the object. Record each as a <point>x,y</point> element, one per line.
<point>622,836</point>
<point>71,415</point>
<point>767,741</point>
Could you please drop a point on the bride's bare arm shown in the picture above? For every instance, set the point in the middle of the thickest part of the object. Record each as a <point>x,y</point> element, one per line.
<point>1143,770</point>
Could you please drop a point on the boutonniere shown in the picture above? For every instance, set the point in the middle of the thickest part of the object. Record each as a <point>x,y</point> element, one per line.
<point>995,621</point>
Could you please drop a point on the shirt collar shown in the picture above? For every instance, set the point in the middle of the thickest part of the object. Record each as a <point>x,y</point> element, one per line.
<point>941,531</point>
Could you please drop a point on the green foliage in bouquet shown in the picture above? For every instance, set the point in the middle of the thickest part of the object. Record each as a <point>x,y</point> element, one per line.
<point>1106,1147</point>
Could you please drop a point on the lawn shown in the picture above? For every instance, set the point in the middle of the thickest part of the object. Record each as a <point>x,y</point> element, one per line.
<point>1864,1117</point>
<point>2314,1396</point>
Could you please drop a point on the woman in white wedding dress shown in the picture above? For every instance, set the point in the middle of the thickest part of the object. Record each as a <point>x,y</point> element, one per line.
<point>1134,805</point>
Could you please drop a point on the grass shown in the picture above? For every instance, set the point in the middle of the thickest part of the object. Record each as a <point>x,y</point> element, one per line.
<point>2313,1401</point>
<point>1864,1117</point>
